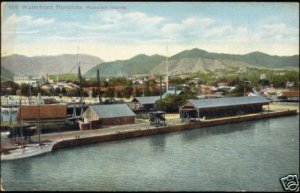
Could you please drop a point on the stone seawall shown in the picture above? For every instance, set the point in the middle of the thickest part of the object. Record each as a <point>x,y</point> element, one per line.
<point>125,134</point>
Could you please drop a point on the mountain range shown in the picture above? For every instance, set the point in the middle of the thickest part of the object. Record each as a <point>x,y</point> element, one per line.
<point>59,64</point>
<point>193,60</point>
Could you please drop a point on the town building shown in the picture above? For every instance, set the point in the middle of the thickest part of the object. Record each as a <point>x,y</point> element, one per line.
<point>52,117</point>
<point>289,96</point>
<point>97,116</point>
<point>221,107</point>
<point>33,80</point>
<point>144,103</point>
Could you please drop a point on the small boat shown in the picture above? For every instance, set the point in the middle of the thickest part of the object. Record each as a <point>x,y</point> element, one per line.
<point>29,150</point>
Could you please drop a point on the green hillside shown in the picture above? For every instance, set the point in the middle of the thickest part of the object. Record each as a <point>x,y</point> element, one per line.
<point>140,64</point>
<point>6,74</point>
<point>193,60</point>
<point>258,59</point>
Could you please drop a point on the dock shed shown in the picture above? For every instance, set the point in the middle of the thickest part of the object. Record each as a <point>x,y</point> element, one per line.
<point>144,103</point>
<point>44,112</point>
<point>51,117</point>
<point>105,115</point>
<point>221,107</point>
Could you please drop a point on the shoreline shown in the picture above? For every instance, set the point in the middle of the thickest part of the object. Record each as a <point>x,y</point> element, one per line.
<point>149,130</point>
<point>78,138</point>
<point>141,128</point>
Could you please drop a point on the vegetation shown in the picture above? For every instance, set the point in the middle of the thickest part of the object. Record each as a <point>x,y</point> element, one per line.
<point>70,77</point>
<point>140,64</point>
<point>172,101</point>
<point>6,74</point>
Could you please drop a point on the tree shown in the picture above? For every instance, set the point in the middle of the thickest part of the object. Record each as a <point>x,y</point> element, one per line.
<point>25,89</point>
<point>57,91</point>
<point>128,91</point>
<point>173,101</point>
<point>63,91</point>
<point>240,89</point>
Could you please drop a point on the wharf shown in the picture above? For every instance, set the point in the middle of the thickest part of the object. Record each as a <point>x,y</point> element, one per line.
<point>77,138</point>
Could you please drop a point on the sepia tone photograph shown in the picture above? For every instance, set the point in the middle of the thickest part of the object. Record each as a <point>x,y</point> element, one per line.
<point>149,96</point>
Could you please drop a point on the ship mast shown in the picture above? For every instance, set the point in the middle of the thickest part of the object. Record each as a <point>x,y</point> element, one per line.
<point>167,69</point>
<point>80,81</point>
<point>21,124</point>
<point>39,116</point>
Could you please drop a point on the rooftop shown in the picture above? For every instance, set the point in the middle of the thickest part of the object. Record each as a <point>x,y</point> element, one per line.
<point>146,100</point>
<point>230,101</point>
<point>112,110</point>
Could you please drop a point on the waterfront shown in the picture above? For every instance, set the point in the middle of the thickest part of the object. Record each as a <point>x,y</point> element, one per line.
<point>243,156</point>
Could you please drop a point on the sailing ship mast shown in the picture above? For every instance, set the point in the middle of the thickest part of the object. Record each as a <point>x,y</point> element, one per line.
<point>80,81</point>
<point>21,125</point>
<point>167,69</point>
<point>39,126</point>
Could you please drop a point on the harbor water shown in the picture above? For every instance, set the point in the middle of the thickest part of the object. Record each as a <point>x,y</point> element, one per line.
<point>250,156</point>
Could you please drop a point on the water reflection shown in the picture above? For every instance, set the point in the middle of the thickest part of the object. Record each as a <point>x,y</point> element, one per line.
<point>158,142</point>
<point>247,128</point>
<point>228,159</point>
<point>17,166</point>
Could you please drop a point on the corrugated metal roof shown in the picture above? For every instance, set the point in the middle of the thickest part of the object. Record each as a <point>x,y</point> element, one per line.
<point>230,101</point>
<point>146,100</point>
<point>112,110</point>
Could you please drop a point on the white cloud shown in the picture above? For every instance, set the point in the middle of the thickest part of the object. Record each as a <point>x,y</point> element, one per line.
<point>130,33</point>
<point>21,24</point>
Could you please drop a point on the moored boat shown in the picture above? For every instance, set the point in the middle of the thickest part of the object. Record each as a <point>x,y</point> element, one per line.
<point>29,150</point>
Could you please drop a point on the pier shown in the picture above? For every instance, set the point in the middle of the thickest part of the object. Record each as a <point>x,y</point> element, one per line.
<point>77,138</point>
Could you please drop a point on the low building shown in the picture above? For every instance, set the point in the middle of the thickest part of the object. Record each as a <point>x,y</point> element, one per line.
<point>289,96</point>
<point>33,80</point>
<point>221,107</point>
<point>144,103</point>
<point>51,117</point>
<point>97,116</point>
<point>43,112</point>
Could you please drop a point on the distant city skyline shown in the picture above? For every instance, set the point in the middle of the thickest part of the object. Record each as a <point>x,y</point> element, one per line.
<point>121,30</point>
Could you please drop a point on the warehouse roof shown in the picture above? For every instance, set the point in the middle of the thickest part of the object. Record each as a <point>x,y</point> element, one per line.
<point>223,102</point>
<point>146,100</point>
<point>112,110</point>
<point>45,111</point>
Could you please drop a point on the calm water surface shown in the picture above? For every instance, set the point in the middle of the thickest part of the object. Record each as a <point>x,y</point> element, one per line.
<point>248,156</point>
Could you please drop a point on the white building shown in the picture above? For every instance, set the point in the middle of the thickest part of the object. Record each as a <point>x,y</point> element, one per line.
<point>33,80</point>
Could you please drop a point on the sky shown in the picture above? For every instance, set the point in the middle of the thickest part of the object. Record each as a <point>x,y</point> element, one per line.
<point>121,30</point>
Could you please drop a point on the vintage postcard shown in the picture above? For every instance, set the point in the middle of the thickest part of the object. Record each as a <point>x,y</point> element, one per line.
<point>149,96</point>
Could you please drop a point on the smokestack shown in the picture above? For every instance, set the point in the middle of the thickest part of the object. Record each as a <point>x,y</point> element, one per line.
<point>79,74</point>
<point>98,77</point>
